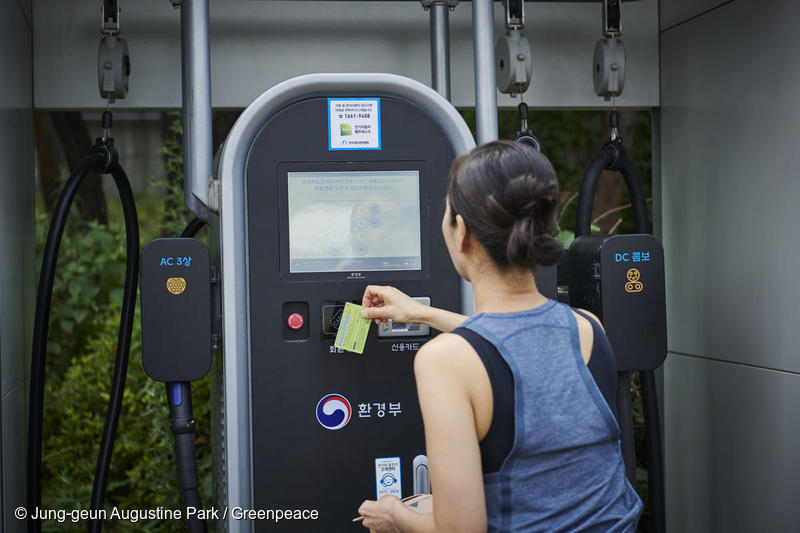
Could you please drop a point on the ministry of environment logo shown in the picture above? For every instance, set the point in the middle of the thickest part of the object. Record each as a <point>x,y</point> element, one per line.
<point>334,411</point>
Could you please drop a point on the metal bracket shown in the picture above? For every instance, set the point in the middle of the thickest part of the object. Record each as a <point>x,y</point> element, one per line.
<point>525,135</point>
<point>515,14</point>
<point>612,19</point>
<point>109,17</point>
<point>426,4</point>
<point>213,195</point>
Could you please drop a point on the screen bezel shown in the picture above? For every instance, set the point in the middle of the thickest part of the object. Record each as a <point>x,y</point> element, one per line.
<point>360,166</point>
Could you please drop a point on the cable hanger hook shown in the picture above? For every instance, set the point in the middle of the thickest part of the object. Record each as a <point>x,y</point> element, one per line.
<point>113,61</point>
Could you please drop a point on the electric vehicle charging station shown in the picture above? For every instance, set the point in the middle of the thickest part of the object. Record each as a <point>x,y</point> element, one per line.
<point>701,43</point>
<point>328,182</point>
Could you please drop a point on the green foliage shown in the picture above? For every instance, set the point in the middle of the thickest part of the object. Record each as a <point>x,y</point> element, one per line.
<point>82,341</point>
<point>175,215</point>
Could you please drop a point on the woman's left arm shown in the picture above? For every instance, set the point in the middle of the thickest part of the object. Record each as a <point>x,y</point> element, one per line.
<point>443,385</point>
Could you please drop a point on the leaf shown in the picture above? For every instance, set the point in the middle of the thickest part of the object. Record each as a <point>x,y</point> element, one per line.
<point>565,238</point>
<point>80,315</point>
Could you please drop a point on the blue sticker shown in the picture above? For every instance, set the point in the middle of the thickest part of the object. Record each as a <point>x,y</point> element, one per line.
<point>354,124</point>
<point>387,477</point>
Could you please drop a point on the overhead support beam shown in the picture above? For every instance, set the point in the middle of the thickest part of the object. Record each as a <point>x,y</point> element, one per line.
<point>196,85</point>
<point>498,1</point>
<point>485,84</point>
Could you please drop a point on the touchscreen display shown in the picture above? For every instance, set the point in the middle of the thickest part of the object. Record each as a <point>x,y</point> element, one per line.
<point>354,221</point>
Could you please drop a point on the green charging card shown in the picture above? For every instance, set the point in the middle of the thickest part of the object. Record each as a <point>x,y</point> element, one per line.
<point>353,329</point>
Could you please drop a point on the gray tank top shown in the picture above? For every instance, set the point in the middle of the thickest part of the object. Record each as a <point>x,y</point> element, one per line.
<point>565,470</point>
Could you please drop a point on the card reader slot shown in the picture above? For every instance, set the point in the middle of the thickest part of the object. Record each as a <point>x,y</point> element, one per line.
<point>393,329</point>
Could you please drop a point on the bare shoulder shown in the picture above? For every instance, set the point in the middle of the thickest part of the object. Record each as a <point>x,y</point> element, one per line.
<point>445,347</point>
<point>446,351</point>
<point>583,320</point>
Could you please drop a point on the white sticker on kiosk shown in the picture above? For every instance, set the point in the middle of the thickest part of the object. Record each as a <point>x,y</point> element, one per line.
<point>387,476</point>
<point>354,124</point>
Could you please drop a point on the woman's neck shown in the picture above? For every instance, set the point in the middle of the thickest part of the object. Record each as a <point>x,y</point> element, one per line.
<point>505,292</point>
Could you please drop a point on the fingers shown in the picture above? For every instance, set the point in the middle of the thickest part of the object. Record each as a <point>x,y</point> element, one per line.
<point>364,507</point>
<point>377,313</point>
<point>376,304</point>
<point>364,510</point>
<point>367,299</point>
<point>374,295</point>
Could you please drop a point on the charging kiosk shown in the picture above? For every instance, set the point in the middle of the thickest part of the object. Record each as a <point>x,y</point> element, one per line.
<point>327,183</point>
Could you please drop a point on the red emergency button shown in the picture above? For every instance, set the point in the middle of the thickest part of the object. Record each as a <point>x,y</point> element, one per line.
<point>295,321</point>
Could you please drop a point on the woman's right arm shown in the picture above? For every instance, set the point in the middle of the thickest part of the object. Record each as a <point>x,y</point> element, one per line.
<point>446,386</point>
<point>383,303</point>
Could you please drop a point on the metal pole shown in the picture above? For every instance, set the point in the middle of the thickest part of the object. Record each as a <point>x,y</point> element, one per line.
<point>440,48</point>
<point>196,82</point>
<point>485,84</point>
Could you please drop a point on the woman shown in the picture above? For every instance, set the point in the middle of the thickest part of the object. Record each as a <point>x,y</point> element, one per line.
<point>519,437</point>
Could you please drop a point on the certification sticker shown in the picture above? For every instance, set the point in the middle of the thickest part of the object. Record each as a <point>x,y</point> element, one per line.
<point>387,476</point>
<point>353,329</point>
<point>354,124</point>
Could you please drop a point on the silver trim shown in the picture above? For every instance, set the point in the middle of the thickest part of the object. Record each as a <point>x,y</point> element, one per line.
<point>233,241</point>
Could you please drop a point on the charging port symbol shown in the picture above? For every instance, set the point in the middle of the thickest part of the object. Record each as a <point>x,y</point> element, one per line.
<point>633,285</point>
<point>176,285</point>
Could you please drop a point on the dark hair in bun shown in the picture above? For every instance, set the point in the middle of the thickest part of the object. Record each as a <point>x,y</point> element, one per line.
<point>507,194</point>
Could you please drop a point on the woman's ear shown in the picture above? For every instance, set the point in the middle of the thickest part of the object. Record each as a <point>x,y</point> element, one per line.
<point>462,235</point>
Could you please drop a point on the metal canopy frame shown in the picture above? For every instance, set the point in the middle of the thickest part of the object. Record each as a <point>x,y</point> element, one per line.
<point>196,83</point>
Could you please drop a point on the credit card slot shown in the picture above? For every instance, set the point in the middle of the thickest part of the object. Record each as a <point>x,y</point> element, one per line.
<point>405,329</point>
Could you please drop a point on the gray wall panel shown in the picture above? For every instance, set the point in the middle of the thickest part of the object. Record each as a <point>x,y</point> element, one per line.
<point>16,200</point>
<point>731,453</point>
<point>14,453</point>
<point>26,6</point>
<point>16,249</point>
<point>676,11</point>
<point>258,44</point>
<point>729,192</point>
<point>728,184</point>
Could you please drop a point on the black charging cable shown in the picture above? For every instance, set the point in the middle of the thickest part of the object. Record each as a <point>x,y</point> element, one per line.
<point>613,156</point>
<point>183,428</point>
<point>102,159</point>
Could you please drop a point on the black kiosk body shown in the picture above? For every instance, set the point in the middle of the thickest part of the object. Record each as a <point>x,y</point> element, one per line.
<point>328,183</point>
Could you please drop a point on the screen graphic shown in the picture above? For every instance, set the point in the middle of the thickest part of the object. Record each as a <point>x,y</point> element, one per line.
<point>354,221</point>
